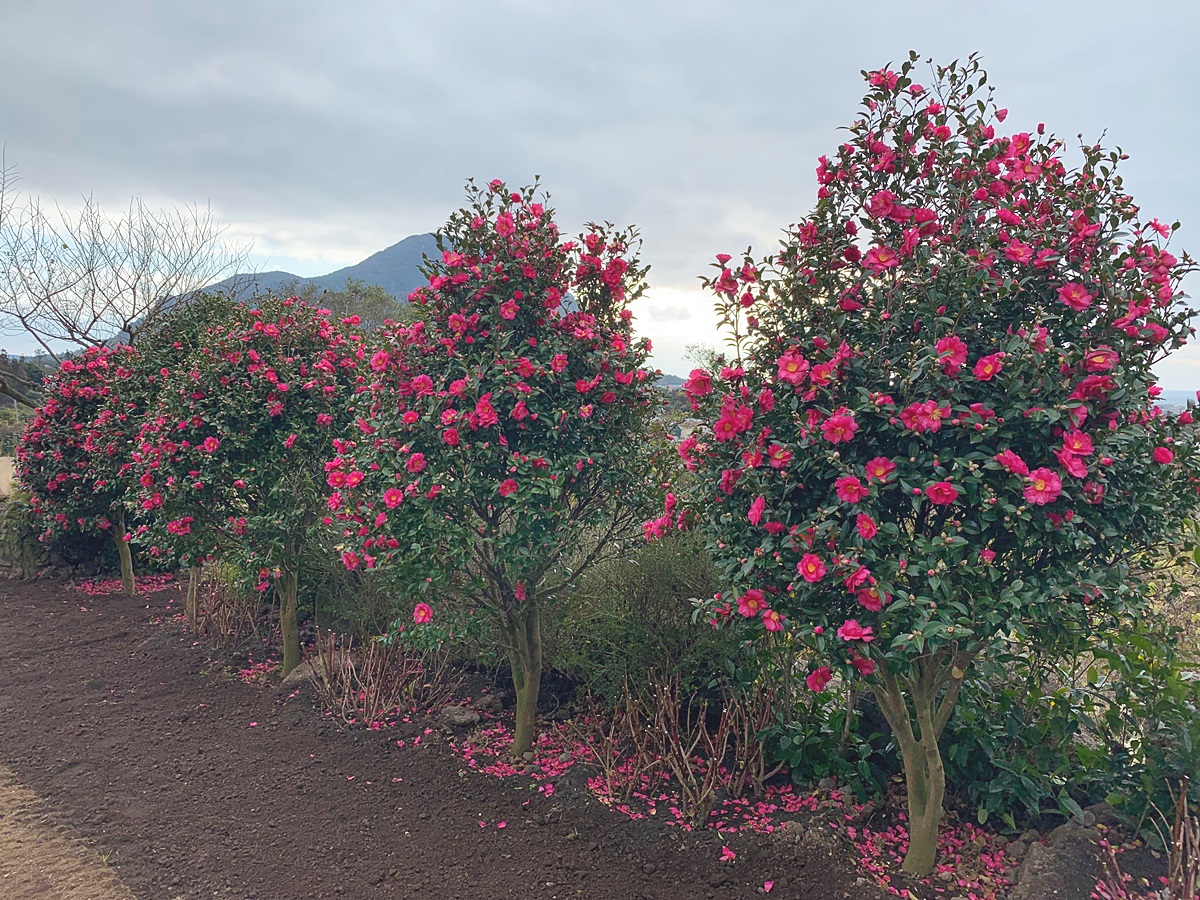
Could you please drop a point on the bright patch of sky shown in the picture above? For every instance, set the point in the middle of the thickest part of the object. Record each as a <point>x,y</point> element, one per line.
<point>324,132</point>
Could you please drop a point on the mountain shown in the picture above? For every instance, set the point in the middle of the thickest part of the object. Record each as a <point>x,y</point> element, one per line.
<point>394,269</point>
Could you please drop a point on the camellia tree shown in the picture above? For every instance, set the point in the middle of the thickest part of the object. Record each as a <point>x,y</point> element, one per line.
<point>74,457</point>
<point>501,447</point>
<point>938,428</point>
<point>229,461</point>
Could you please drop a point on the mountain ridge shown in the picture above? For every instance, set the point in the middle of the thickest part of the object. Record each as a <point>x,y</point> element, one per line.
<point>394,268</point>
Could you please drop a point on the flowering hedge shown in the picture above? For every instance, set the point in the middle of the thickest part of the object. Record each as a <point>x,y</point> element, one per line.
<point>496,437</point>
<point>75,454</point>
<point>940,426</point>
<point>229,459</point>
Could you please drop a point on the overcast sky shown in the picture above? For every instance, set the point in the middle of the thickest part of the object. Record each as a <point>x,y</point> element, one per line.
<point>323,131</point>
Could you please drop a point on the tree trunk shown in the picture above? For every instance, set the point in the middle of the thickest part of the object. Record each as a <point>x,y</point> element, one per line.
<point>524,630</point>
<point>192,604</point>
<point>925,778</point>
<point>287,589</point>
<point>128,585</point>
<point>924,774</point>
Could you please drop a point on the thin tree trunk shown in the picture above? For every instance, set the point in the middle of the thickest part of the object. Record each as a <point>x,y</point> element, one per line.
<point>192,604</point>
<point>128,585</point>
<point>523,628</point>
<point>924,773</point>
<point>287,589</point>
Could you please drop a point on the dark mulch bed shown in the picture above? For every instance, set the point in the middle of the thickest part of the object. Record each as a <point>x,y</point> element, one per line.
<point>147,749</point>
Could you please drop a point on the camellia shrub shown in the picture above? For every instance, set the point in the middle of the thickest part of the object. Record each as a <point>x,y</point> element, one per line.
<point>499,448</point>
<point>74,457</point>
<point>229,461</point>
<point>939,423</point>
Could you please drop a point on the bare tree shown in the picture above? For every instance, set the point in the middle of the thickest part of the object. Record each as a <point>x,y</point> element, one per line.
<point>79,279</point>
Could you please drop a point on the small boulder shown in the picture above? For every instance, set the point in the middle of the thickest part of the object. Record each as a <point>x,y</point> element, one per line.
<point>459,717</point>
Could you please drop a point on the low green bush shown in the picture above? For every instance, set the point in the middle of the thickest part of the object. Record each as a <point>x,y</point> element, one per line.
<point>631,615</point>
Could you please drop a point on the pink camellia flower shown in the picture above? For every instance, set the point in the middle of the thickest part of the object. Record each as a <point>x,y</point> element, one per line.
<point>819,679</point>
<point>751,603</point>
<point>1079,443</point>
<point>941,493</point>
<point>422,613</point>
<point>988,367</point>
<point>850,489</point>
<point>505,225</point>
<point>792,367</point>
<point>508,486</point>
<point>778,456</point>
<point>1076,296</point>
<point>509,310</point>
<point>952,353</point>
<point>756,510</point>
<point>1044,486</point>
<point>987,556</point>
<point>879,468</point>
<point>880,259</point>
<point>850,630</point>
<point>393,497</point>
<point>1102,359</point>
<point>1163,455</point>
<point>871,599</point>
<point>450,436</point>
<point>698,384</point>
<point>1072,463</point>
<point>864,666</point>
<point>772,620</point>
<point>380,360</point>
<point>839,428</point>
<point>350,560</point>
<point>811,568</point>
<point>416,463</point>
<point>867,528</point>
<point>210,445</point>
<point>1013,463</point>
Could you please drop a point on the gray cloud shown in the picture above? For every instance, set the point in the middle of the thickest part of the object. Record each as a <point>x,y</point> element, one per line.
<point>327,131</point>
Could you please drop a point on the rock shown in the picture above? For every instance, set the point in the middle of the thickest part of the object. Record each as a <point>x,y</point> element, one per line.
<point>489,703</point>
<point>1057,868</point>
<point>649,868</point>
<point>1104,814</point>
<point>459,717</point>
<point>306,671</point>
<point>566,757</point>
<point>1016,850</point>
<point>826,784</point>
<point>718,879</point>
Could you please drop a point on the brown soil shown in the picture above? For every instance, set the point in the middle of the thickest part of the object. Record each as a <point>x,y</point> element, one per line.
<point>149,753</point>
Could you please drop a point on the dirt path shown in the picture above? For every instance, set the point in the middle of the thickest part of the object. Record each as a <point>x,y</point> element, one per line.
<point>40,858</point>
<point>191,784</point>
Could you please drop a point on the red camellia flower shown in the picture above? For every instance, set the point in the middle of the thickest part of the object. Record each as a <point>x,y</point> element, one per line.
<point>819,679</point>
<point>941,493</point>
<point>422,613</point>
<point>1163,455</point>
<point>508,486</point>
